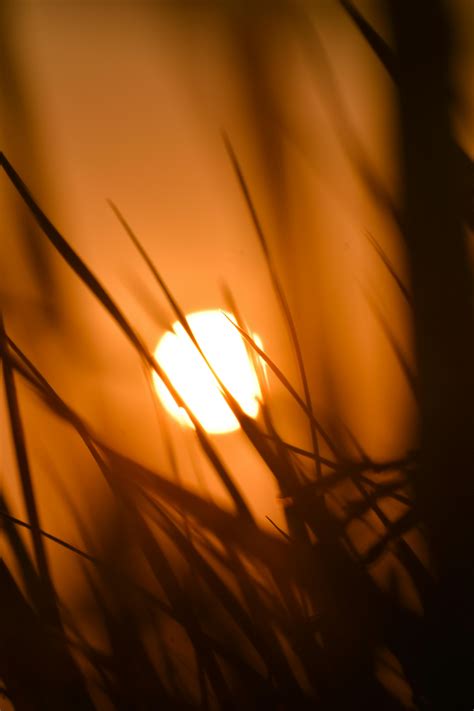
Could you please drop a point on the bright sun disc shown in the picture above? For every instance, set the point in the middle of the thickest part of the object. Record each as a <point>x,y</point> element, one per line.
<point>226,352</point>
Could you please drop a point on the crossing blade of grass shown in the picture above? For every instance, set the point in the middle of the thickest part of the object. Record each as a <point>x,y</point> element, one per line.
<point>370,502</point>
<point>179,313</point>
<point>111,573</point>
<point>151,266</point>
<point>134,677</point>
<point>269,628</point>
<point>64,409</point>
<point>259,629</point>
<point>380,47</point>
<point>222,522</point>
<point>263,639</point>
<point>276,459</point>
<point>348,471</point>
<point>305,453</point>
<point>281,448</point>
<point>341,120</point>
<point>115,578</point>
<point>287,484</point>
<point>400,356</point>
<point>390,268</point>
<point>163,573</point>
<point>280,466</point>
<point>94,285</point>
<point>29,574</point>
<point>291,477</point>
<point>407,522</point>
<point>24,524</point>
<point>247,424</point>
<point>287,473</point>
<point>187,501</point>
<point>61,409</point>
<point>274,462</point>
<point>279,292</point>
<point>378,493</point>
<point>108,570</point>
<point>288,386</point>
<point>267,550</point>
<point>232,307</point>
<point>251,540</point>
<point>168,580</point>
<point>119,577</point>
<point>48,597</point>
<point>389,61</point>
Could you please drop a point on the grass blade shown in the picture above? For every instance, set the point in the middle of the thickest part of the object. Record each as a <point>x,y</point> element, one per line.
<point>278,289</point>
<point>94,285</point>
<point>19,441</point>
<point>390,268</point>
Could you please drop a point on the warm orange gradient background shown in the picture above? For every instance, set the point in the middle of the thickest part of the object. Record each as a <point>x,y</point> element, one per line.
<point>127,101</point>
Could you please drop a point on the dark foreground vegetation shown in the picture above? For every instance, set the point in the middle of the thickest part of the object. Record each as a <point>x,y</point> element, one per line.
<point>278,620</point>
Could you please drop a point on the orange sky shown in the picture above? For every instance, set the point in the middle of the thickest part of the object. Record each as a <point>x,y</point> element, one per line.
<point>127,103</point>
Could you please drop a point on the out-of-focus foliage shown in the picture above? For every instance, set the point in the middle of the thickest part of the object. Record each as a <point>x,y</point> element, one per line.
<point>361,595</point>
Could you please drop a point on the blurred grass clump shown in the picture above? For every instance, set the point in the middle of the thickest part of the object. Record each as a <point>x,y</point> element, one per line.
<point>360,594</point>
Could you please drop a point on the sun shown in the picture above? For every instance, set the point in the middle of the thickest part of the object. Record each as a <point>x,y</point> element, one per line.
<point>226,352</point>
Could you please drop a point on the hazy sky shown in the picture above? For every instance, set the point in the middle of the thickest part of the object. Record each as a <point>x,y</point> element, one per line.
<point>127,101</point>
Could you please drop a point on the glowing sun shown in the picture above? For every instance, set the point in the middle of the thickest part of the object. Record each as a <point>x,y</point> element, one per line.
<point>226,352</point>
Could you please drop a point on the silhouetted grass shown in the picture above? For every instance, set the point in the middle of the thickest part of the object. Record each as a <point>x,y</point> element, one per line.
<point>268,618</point>
<point>334,645</point>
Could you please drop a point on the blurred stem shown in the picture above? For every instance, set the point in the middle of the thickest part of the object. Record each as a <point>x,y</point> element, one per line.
<point>444,331</point>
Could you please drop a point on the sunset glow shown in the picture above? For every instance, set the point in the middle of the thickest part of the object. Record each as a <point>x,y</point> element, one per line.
<point>226,352</point>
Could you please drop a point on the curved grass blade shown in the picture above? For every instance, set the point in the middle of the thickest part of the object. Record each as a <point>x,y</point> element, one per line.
<point>280,294</point>
<point>389,61</point>
<point>380,47</point>
<point>25,562</point>
<point>94,285</point>
<point>48,597</point>
<point>343,125</point>
<point>400,356</point>
<point>221,522</point>
<point>267,648</point>
<point>390,268</point>
<point>288,386</point>
<point>251,430</point>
